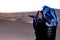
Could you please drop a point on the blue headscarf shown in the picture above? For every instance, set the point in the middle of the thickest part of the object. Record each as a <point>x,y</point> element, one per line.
<point>50,15</point>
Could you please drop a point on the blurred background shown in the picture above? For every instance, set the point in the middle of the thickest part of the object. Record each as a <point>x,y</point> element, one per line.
<point>14,21</point>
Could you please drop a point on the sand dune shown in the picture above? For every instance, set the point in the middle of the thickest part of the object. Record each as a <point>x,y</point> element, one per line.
<point>23,16</point>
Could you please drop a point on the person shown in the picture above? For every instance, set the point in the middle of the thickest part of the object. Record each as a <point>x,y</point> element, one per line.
<point>45,27</point>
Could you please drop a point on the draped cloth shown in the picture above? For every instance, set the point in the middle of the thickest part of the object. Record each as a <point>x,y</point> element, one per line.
<point>46,29</point>
<point>50,16</point>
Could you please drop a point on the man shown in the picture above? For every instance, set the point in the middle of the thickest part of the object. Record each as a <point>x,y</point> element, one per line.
<point>45,27</point>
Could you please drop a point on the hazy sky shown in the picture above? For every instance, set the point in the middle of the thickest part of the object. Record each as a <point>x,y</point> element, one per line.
<point>26,5</point>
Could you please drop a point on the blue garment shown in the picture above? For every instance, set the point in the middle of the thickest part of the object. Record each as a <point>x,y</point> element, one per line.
<point>46,29</point>
<point>50,16</point>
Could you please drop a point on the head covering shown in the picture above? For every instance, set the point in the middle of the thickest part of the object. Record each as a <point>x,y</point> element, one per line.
<point>50,15</point>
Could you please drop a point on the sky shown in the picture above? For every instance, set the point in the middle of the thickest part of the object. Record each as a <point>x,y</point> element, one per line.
<point>27,5</point>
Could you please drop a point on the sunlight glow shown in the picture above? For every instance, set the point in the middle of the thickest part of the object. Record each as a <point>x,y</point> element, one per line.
<point>26,5</point>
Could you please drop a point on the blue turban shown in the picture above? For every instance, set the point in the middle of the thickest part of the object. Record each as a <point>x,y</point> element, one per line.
<point>50,15</point>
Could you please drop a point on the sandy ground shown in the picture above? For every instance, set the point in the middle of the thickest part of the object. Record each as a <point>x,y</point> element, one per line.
<point>15,31</point>
<point>18,31</point>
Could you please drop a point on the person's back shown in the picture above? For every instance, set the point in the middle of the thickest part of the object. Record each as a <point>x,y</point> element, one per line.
<point>45,27</point>
<point>41,31</point>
